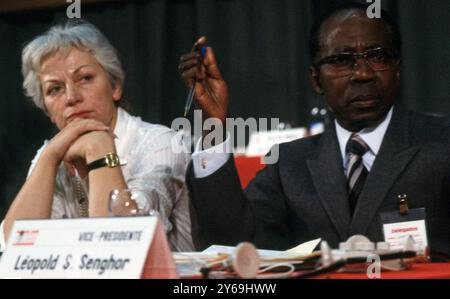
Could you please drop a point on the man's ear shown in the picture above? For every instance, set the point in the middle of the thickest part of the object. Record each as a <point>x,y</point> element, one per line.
<point>314,79</point>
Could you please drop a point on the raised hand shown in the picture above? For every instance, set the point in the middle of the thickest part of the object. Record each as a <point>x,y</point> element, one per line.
<point>211,92</point>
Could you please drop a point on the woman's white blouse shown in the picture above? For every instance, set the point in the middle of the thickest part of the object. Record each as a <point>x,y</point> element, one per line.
<point>155,160</point>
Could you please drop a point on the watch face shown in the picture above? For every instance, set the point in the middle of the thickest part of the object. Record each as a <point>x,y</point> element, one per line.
<point>112,160</point>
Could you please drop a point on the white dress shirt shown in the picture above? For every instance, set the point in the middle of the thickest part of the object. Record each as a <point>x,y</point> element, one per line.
<point>372,136</point>
<point>152,163</point>
<point>206,162</point>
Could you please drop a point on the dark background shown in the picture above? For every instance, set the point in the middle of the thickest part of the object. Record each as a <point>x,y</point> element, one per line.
<point>261,46</point>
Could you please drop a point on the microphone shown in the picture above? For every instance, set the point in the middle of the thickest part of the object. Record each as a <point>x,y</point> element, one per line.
<point>244,262</point>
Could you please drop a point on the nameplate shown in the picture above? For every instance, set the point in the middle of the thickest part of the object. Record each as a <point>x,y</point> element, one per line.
<point>80,248</point>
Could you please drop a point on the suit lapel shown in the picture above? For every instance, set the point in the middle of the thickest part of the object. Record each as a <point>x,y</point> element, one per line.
<point>393,157</point>
<point>328,176</point>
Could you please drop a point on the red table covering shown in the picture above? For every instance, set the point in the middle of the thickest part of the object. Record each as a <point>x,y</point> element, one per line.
<point>417,271</point>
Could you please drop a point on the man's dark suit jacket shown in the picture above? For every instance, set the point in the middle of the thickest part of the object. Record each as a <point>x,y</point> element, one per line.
<point>304,195</point>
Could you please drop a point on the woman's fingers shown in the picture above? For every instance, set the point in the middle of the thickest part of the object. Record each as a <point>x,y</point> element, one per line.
<point>84,125</point>
<point>61,142</point>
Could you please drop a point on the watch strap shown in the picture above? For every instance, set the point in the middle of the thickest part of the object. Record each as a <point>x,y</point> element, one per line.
<point>109,160</point>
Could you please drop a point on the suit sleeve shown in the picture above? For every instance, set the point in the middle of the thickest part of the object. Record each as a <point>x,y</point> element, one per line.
<point>222,213</point>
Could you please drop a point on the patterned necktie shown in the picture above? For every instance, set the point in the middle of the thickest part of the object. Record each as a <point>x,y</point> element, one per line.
<point>356,172</point>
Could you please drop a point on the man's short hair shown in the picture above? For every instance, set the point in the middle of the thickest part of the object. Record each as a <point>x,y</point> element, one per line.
<point>314,38</point>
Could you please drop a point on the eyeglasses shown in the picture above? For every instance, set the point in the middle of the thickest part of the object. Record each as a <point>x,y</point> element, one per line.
<point>344,64</point>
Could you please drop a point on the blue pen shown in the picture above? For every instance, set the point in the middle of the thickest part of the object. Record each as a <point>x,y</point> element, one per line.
<point>191,93</point>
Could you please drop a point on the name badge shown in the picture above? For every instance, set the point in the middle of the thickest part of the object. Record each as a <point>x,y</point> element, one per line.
<point>122,247</point>
<point>399,227</point>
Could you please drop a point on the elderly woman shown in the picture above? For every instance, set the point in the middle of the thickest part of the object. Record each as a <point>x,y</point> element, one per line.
<point>74,75</point>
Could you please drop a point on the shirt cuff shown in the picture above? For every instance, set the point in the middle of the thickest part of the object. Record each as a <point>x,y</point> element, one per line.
<point>2,237</point>
<point>208,161</point>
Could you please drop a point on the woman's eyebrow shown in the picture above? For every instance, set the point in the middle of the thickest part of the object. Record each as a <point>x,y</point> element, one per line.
<point>80,67</point>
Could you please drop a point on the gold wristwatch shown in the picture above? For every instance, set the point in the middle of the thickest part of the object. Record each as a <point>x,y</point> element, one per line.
<point>110,160</point>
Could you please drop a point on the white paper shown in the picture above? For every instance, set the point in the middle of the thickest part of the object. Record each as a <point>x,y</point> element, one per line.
<point>301,250</point>
<point>304,249</point>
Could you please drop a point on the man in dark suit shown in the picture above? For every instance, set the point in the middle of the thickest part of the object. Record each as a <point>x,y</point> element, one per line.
<point>336,184</point>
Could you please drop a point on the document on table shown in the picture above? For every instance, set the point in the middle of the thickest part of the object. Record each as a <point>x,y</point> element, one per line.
<point>189,263</point>
<point>303,249</point>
